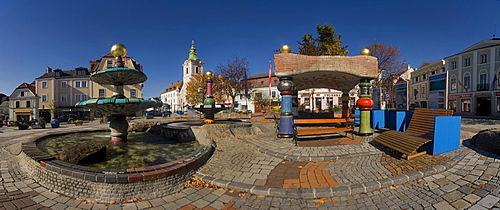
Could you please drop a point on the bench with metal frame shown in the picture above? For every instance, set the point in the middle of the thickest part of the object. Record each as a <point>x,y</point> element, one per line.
<point>321,126</point>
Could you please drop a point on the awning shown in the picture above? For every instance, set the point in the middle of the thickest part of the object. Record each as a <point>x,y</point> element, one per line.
<point>22,112</point>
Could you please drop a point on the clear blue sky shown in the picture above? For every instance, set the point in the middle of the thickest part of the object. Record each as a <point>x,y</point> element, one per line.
<point>67,34</point>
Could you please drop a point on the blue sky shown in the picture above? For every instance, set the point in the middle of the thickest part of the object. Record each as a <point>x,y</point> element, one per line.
<point>67,34</point>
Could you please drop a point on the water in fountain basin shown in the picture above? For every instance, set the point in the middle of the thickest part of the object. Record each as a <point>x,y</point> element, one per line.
<point>142,149</point>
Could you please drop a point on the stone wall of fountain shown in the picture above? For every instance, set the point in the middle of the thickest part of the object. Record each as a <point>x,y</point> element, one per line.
<point>105,185</point>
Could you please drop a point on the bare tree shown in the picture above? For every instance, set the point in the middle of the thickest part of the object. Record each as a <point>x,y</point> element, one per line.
<point>390,65</point>
<point>234,77</point>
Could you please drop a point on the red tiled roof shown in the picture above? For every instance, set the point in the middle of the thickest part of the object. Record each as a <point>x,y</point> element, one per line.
<point>174,86</point>
<point>29,86</point>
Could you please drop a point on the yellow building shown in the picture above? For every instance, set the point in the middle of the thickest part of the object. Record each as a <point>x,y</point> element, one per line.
<point>23,103</point>
<point>61,90</point>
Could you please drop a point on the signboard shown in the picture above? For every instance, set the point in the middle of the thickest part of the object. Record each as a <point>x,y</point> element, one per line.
<point>460,96</point>
<point>401,96</point>
<point>437,88</point>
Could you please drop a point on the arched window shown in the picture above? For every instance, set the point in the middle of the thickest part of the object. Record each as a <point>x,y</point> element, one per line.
<point>466,81</point>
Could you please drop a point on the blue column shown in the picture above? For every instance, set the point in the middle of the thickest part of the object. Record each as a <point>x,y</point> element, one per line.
<point>286,117</point>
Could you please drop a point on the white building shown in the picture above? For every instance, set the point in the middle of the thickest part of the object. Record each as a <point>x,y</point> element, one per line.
<point>175,95</point>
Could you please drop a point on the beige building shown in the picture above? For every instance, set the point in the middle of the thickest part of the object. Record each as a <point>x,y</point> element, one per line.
<point>23,103</point>
<point>419,89</point>
<point>64,89</point>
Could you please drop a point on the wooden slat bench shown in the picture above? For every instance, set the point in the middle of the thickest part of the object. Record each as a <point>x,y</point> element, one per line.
<point>320,126</point>
<point>420,131</point>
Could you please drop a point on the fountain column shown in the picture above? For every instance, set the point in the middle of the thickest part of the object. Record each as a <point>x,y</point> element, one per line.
<point>365,104</point>
<point>118,106</point>
<point>286,117</point>
<point>209,100</point>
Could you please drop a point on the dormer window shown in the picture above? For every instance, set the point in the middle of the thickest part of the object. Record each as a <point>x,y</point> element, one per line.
<point>58,73</point>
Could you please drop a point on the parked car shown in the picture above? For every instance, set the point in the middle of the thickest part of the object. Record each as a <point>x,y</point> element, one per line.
<point>70,118</point>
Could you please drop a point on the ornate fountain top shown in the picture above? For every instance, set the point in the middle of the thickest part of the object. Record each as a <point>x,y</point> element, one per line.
<point>118,50</point>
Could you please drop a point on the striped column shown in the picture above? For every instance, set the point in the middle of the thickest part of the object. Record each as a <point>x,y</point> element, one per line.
<point>286,117</point>
<point>365,104</point>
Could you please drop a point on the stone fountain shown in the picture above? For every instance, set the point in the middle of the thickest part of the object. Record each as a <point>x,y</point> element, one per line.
<point>118,106</point>
<point>208,107</point>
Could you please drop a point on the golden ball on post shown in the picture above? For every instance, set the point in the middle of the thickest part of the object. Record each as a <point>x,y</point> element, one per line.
<point>285,49</point>
<point>365,51</point>
<point>118,50</point>
<point>209,75</point>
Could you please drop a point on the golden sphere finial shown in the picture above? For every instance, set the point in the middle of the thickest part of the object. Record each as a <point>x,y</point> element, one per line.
<point>365,51</point>
<point>285,49</point>
<point>209,75</point>
<point>118,50</point>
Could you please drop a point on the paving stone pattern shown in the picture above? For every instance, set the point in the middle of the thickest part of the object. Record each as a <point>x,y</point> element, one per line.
<point>465,179</point>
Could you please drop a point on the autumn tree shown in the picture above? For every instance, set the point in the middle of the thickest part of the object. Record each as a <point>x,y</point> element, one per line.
<point>390,65</point>
<point>327,43</point>
<point>233,77</point>
<point>261,100</point>
<point>195,90</point>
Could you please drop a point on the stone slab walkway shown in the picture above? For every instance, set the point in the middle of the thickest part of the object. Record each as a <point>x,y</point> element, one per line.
<point>263,172</point>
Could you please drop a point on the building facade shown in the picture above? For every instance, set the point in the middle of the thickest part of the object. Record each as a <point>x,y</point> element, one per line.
<point>23,103</point>
<point>473,87</point>
<point>420,83</point>
<point>319,99</point>
<point>4,107</point>
<point>60,89</point>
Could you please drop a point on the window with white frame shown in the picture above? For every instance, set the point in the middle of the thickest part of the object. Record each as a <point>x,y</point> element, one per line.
<point>64,84</point>
<point>64,98</point>
<point>81,84</point>
<point>133,93</point>
<point>80,97</point>
<point>28,103</point>
<point>44,84</point>
<point>424,76</point>
<point>109,62</point>
<point>483,81</point>
<point>467,81</point>
<point>453,82</point>
<point>423,92</point>
<point>22,93</point>
<point>44,98</point>
<point>102,93</point>
<point>467,62</point>
<point>453,65</point>
<point>484,58</point>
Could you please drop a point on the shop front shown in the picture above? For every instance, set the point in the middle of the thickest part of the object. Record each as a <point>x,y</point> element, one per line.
<point>461,103</point>
<point>22,115</point>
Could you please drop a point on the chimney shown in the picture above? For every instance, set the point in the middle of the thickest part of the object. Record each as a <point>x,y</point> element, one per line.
<point>49,69</point>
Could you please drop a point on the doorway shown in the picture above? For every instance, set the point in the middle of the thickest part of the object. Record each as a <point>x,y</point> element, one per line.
<point>483,106</point>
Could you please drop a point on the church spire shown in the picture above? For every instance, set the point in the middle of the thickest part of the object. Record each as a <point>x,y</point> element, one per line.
<point>192,52</point>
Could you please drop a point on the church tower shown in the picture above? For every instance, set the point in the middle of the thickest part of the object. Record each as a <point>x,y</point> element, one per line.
<point>192,66</point>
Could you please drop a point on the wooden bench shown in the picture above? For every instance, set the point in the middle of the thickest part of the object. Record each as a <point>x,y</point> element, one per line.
<point>420,131</point>
<point>320,126</point>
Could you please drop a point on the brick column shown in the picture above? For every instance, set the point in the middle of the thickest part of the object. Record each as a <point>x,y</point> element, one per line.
<point>286,117</point>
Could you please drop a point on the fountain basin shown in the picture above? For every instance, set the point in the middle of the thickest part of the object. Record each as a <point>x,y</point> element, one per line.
<point>116,106</point>
<point>125,76</point>
<point>105,185</point>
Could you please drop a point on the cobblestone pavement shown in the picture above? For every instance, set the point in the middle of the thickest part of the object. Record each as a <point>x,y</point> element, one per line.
<point>263,172</point>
